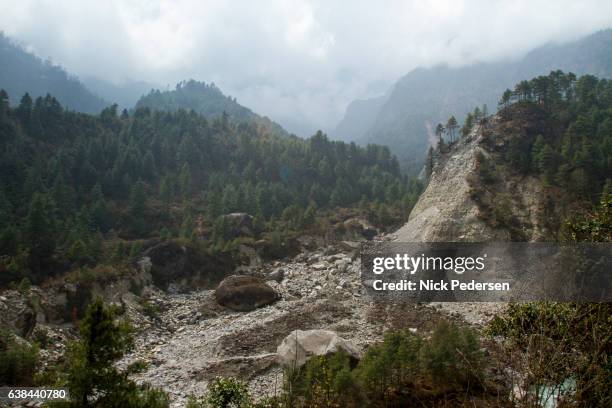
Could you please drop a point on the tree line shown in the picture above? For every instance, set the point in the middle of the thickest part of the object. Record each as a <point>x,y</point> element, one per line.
<point>567,137</point>
<point>72,181</point>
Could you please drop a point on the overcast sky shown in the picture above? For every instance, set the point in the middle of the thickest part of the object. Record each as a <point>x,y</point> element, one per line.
<point>299,62</point>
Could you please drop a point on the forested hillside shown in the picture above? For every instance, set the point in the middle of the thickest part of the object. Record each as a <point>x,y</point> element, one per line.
<point>543,159</point>
<point>73,183</point>
<point>564,133</point>
<point>205,99</point>
<point>22,72</point>
<point>422,98</point>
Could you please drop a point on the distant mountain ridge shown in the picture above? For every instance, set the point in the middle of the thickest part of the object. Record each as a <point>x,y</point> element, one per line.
<point>21,72</point>
<point>207,100</point>
<point>425,97</point>
<point>125,94</point>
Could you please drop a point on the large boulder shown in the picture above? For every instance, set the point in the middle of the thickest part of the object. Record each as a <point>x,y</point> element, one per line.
<point>301,345</point>
<point>244,293</point>
<point>183,266</point>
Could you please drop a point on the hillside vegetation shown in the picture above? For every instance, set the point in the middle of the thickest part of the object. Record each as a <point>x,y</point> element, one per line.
<point>557,129</point>
<point>206,100</point>
<point>75,186</point>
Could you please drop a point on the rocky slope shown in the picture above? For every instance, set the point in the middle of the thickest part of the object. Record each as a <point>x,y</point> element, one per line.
<point>448,212</point>
<point>186,339</point>
<point>193,339</point>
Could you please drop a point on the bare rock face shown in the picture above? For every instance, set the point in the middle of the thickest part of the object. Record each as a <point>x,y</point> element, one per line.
<point>445,210</point>
<point>299,346</point>
<point>244,293</point>
<point>16,314</point>
<point>509,209</point>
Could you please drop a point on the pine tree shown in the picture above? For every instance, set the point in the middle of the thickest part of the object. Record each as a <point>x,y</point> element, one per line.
<point>91,374</point>
<point>467,125</point>
<point>164,234</point>
<point>4,105</point>
<point>166,191</point>
<point>148,166</point>
<point>310,215</point>
<point>63,196</point>
<point>138,209</point>
<point>78,252</point>
<point>100,214</point>
<point>429,162</point>
<point>188,228</point>
<point>6,211</point>
<point>505,99</point>
<point>536,150</point>
<point>24,111</point>
<point>40,231</point>
<point>439,133</point>
<point>451,126</point>
<point>185,181</point>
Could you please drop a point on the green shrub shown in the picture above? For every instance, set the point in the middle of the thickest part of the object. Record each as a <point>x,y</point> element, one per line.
<point>18,360</point>
<point>390,365</point>
<point>227,393</point>
<point>324,381</point>
<point>452,357</point>
<point>40,337</point>
<point>554,342</point>
<point>138,366</point>
<point>24,286</point>
<point>90,372</point>
<point>403,370</point>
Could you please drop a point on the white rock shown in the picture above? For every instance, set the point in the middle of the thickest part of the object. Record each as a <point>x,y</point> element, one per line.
<point>301,345</point>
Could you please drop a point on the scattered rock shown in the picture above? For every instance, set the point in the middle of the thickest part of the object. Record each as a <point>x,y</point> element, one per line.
<point>276,275</point>
<point>349,245</point>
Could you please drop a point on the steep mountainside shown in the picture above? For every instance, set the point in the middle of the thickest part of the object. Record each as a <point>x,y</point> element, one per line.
<point>425,97</point>
<point>360,115</point>
<point>447,211</point>
<point>519,175</point>
<point>22,72</point>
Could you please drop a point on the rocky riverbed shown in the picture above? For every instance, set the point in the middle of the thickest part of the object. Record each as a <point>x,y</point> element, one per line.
<point>185,340</point>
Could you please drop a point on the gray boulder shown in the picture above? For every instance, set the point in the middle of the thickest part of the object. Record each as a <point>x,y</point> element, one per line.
<point>244,293</point>
<point>299,346</point>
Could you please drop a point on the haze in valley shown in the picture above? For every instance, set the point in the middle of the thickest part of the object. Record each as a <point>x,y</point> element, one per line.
<point>298,62</point>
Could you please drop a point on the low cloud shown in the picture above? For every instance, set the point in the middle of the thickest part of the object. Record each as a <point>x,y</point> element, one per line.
<point>299,62</point>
